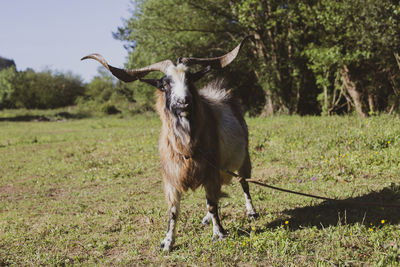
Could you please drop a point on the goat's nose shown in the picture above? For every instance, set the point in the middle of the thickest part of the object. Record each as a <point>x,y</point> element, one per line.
<point>184,102</point>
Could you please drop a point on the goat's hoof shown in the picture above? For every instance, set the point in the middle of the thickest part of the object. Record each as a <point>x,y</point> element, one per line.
<point>219,236</point>
<point>166,245</point>
<point>252,215</point>
<point>206,220</point>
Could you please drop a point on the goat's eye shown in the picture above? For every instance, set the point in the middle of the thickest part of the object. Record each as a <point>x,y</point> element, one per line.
<point>166,83</point>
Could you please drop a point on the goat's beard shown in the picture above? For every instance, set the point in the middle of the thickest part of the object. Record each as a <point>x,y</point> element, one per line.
<point>182,129</point>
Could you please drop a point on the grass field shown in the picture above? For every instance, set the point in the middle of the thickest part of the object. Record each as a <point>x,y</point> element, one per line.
<point>89,192</point>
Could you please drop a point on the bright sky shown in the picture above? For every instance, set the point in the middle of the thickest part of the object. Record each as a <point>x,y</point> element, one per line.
<point>55,34</point>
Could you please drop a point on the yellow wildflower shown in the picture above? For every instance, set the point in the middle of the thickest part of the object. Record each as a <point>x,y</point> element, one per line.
<point>383,221</point>
<point>286,222</point>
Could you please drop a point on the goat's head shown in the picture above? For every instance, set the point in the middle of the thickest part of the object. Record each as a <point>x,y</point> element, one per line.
<point>177,84</point>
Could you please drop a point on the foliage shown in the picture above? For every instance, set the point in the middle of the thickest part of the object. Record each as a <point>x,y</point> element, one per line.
<point>155,35</point>
<point>297,57</point>
<point>101,87</point>
<point>92,195</point>
<point>305,57</point>
<point>43,90</point>
<point>104,93</point>
<point>109,109</point>
<point>362,35</point>
<point>7,88</point>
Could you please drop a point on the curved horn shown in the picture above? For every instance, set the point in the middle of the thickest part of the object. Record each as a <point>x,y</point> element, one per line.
<point>215,62</point>
<point>130,75</point>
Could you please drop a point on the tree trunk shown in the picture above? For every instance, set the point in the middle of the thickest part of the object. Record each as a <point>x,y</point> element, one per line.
<point>371,103</point>
<point>394,106</point>
<point>268,109</point>
<point>397,57</point>
<point>352,90</point>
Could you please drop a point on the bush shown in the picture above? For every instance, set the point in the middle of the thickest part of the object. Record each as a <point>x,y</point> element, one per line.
<point>45,90</point>
<point>7,88</point>
<point>109,109</point>
<point>42,90</point>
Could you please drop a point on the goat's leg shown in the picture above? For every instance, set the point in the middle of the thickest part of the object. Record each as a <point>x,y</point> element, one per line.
<point>218,231</point>
<point>216,193</point>
<point>207,219</point>
<point>173,197</point>
<point>212,195</point>
<point>245,172</point>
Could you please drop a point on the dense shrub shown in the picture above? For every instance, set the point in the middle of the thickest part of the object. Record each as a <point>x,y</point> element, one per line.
<point>42,90</point>
<point>109,109</point>
<point>7,88</point>
<point>106,95</point>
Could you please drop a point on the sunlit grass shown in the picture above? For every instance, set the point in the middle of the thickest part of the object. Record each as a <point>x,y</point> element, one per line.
<point>89,191</point>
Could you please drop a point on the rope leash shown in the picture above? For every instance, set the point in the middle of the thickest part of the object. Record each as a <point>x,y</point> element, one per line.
<point>340,201</point>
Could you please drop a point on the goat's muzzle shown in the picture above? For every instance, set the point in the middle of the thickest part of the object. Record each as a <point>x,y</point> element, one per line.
<point>182,110</point>
<point>183,107</point>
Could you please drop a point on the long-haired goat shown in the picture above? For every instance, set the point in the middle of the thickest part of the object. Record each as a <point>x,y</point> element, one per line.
<point>203,132</point>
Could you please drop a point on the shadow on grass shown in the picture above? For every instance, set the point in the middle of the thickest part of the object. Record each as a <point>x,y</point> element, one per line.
<point>334,213</point>
<point>56,117</point>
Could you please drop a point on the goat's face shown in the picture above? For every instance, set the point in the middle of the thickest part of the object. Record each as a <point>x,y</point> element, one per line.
<point>178,91</point>
<point>177,86</point>
<point>179,97</point>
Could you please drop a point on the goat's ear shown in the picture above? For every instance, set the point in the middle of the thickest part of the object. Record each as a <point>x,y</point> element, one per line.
<point>154,82</point>
<point>200,74</point>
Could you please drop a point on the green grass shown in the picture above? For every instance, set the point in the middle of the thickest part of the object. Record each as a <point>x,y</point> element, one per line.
<point>89,192</point>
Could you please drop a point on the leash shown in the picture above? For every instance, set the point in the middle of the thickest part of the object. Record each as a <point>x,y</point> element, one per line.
<point>339,201</point>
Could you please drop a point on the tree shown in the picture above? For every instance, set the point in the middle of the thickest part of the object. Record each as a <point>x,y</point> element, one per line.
<point>104,86</point>
<point>205,29</point>
<point>45,89</point>
<point>307,56</point>
<point>7,88</point>
<point>101,87</point>
<point>356,42</point>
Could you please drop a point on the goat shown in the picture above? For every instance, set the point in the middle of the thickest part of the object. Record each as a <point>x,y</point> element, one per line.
<point>203,132</point>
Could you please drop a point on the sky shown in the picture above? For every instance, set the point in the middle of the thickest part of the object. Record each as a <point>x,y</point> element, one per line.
<point>55,34</point>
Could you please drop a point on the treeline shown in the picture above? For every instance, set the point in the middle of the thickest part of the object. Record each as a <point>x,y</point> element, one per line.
<point>306,57</point>
<point>49,89</point>
<point>38,90</point>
